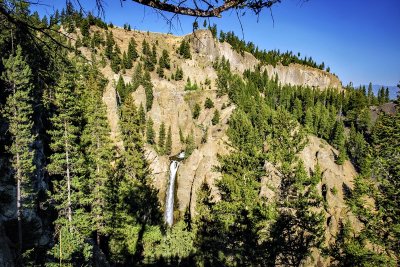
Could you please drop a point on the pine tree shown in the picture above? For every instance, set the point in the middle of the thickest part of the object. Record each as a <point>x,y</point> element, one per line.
<point>309,120</point>
<point>370,95</point>
<point>178,74</point>
<point>196,111</point>
<point>142,117</point>
<point>109,45</point>
<point>168,143</point>
<point>215,118</point>
<point>145,48</point>
<point>19,112</point>
<point>184,50</point>
<point>137,203</point>
<point>387,97</point>
<point>98,153</point>
<point>132,52</point>
<point>66,170</point>
<point>121,89</point>
<point>137,77</point>
<point>161,139</point>
<point>181,136</point>
<point>115,62</point>
<point>148,88</point>
<point>208,103</point>
<point>150,134</point>
<point>154,55</point>
<point>126,61</point>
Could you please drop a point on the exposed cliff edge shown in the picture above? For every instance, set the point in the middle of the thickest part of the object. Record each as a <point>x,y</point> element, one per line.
<point>294,74</point>
<point>173,106</point>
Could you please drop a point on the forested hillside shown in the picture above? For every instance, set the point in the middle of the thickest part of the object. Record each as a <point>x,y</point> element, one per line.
<point>273,173</point>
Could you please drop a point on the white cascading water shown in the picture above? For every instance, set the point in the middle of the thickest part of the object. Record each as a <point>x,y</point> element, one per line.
<point>169,205</point>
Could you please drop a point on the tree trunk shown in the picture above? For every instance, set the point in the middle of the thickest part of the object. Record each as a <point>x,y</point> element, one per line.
<point>68,174</point>
<point>19,208</point>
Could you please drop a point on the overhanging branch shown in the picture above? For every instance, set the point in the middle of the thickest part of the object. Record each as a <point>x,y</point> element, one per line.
<point>211,11</point>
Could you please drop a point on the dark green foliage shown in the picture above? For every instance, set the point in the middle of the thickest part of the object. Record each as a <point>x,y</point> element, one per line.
<point>18,113</point>
<point>66,170</point>
<point>122,89</point>
<point>358,150</point>
<point>215,118</point>
<point>178,74</point>
<point>213,30</point>
<point>168,142</point>
<point>99,197</point>
<point>148,88</point>
<point>132,52</point>
<point>109,45</point>
<point>150,134</point>
<point>149,56</point>
<point>208,103</point>
<point>137,205</point>
<point>191,87</point>
<point>164,61</point>
<point>137,77</point>
<point>98,155</point>
<point>161,139</point>
<point>160,72</point>
<point>190,144</point>
<point>196,111</point>
<point>184,50</point>
<point>272,57</point>
<point>142,117</point>
<point>126,61</point>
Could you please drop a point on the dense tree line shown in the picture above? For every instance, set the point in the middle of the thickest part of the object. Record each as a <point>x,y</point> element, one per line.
<point>72,187</point>
<point>272,57</point>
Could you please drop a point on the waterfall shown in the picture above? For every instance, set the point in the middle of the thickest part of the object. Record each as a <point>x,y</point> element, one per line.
<point>169,203</point>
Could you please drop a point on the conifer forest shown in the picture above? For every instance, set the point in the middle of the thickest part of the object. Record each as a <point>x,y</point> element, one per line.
<point>107,131</point>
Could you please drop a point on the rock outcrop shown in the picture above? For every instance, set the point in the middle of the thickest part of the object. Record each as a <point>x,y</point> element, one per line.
<point>294,74</point>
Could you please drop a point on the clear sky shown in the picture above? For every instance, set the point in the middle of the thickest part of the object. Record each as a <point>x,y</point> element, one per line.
<point>358,39</point>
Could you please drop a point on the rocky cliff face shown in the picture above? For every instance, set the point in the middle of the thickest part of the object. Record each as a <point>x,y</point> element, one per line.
<point>294,74</point>
<point>173,106</point>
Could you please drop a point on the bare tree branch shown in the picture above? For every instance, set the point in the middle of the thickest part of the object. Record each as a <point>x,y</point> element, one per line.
<point>213,10</point>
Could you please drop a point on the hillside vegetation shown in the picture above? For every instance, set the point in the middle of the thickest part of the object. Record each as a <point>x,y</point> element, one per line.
<point>283,166</point>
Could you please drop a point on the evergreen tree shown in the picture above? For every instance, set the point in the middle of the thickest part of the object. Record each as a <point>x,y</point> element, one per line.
<point>121,89</point>
<point>150,134</point>
<point>370,95</point>
<point>66,170</point>
<point>208,103</point>
<point>184,50</point>
<point>132,52</point>
<point>161,139</point>
<point>165,61</point>
<point>137,77</point>
<point>215,118</point>
<point>142,117</point>
<point>115,62</point>
<point>18,113</point>
<point>98,152</point>
<point>154,55</point>
<point>387,98</point>
<point>309,121</point>
<point>168,143</point>
<point>178,74</point>
<point>127,62</point>
<point>196,111</point>
<point>137,203</point>
<point>109,45</point>
<point>148,88</point>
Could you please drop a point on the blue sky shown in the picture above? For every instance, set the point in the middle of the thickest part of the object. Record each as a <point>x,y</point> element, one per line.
<point>358,39</point>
